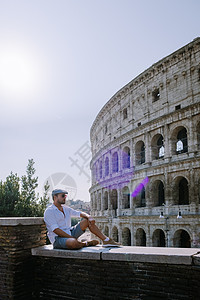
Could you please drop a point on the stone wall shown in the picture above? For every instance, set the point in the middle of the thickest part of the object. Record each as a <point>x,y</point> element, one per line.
<point>17,237</point>
<point>124,273</point>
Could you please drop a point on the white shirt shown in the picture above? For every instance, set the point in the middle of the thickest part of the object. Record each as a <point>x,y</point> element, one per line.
<point>54,218</point>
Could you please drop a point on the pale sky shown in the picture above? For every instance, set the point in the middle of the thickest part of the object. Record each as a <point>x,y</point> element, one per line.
<point>61,61</point>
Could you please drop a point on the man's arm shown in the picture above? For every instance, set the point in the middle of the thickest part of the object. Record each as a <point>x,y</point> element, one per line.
<point>86,216</point>
<point>61,233</point>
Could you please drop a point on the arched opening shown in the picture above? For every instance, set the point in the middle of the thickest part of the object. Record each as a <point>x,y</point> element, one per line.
<point>182,239</point>
<point>107,166</point>
<point>140,153</point>
<point>113,199</point>
<point>140,199</point>
<point>106,231</point>
<point>100,170</point>
<point>158,150</point>
<point>105,201</point>
<point>198,136</point>
<point>199,189</point>
<point>161,194</point>
<point>94,202</point>
<point>140,237</point>
<point>183,197</point>
<point>99,202</point>
<point>158,193</point>
<point>143,197</point>
<point>126,158</point>
<point>115,235</point>
<point>158,238</point>
<point>125,197</point>
<point>182,144</point>
<point>95,170</point>
<point>126,237</point>
<point>115,162</point>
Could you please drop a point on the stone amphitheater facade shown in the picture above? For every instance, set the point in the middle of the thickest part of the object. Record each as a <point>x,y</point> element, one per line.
<point>146,156</point>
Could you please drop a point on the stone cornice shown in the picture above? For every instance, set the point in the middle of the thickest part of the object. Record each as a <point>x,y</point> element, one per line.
<point>21,221</point>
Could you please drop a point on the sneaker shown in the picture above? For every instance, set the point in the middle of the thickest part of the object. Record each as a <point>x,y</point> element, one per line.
<point>92,243</point>
<point>110,243</point>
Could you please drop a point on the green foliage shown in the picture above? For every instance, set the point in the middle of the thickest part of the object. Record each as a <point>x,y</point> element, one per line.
<point>44,201</point>
<point>18,196</point>
<point>9,195</point>
<point>26,206</point>
<point>74,221</point>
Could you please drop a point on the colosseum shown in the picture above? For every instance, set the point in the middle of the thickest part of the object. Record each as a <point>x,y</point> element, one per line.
<point>145,163</point>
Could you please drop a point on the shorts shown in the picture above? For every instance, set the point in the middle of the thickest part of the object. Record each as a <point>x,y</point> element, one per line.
<point>60,242</point>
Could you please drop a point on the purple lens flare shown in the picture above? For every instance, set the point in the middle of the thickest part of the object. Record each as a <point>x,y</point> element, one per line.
<point>140,187</point>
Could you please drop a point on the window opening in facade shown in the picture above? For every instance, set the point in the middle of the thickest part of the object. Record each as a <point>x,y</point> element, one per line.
<point>183,192</point>
<point>143,197</point>
<point>161,194</point>
<point>106,128</point>
<point>140,237</point>
<point>96,171</point>
<point>107,166</point>
<point>115,163</point>
<point>156,95</point>
<point>126,158</point>
<point>177,107</point>
<point>161,149</point>
<point>125,113</point>
<point>125,198</point>
<point>126,237</point>
<point>114,200</point>
<point>198,136</point>
<point>105,201</point>
<point>182,239</point>
<point>115,234</point>
<point>100,170</point>
<point>99,202</point>
<point>106,231</point>
<point>157,146</point>
<point>182,145</point>
<point>140,153</point>
<point>158,238</point>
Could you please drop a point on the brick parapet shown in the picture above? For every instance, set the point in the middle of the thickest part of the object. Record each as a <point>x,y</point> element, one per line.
<point>123,273</point>
<point>31,270</point>
<point>17,237</point>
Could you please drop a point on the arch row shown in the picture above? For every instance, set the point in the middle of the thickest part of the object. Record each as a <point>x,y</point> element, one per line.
<point>157,147</point>
<point>180,238</point>
<point>125,200</point>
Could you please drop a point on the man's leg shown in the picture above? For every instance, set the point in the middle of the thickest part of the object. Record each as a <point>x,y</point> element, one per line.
<point>107,242</point>
<point>93,228</point>
<point>74,244</point>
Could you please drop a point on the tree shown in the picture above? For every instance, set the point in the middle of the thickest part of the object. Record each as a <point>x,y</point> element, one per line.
<point>9,195</point>
<point>44,201</point>
<point>27,204</point>
<point>18,196</point>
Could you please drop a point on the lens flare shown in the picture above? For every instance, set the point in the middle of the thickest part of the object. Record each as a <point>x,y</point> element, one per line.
<point>140,187</point>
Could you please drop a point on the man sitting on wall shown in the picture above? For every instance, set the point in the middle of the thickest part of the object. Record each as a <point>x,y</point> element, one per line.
<point>60,232</point>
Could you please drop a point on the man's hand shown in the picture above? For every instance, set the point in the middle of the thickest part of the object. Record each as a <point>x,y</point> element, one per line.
<point>90,218</point>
